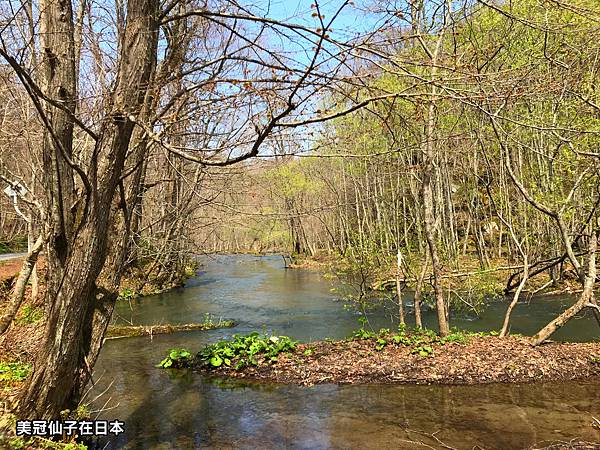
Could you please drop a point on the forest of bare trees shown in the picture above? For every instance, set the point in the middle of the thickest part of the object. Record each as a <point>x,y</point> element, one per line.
<point>449,137</point>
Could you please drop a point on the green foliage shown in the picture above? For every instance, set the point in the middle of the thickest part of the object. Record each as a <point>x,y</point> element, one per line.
<point>190,270</point>
<point>422,350</point>
<point>126,294</point>
<point>242,351</point>
<point>595,359</point>
<point>29,314</point>
<point>363,333</point>
<point>292,179</point>
<point>421,341</point>
<point>177,358</point>
<point>14,371</point>
<point>18,244</point>
<point>82,412</point>
<point>308,352</point>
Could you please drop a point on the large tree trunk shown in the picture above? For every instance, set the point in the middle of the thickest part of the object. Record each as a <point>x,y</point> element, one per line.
<point>431,236</point>
<point>63,367</point>
<point>60,83</point>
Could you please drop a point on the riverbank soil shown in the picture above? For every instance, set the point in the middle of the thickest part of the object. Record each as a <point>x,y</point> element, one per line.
<point>483,359</point>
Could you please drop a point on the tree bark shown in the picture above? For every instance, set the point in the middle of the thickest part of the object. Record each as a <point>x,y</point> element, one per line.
<point>399,290</point>
<point>585,299</point>
<point>504,330</point>
<point>63,368</point>
<point>21,284</point>
<point>419,292</point>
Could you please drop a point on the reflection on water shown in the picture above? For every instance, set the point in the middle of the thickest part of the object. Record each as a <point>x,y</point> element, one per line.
<point>179,409</point>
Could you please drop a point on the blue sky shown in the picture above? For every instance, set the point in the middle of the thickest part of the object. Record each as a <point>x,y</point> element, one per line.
<point>350,21</point>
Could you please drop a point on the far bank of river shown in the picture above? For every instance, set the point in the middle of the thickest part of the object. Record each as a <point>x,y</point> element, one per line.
<point>179,409</point>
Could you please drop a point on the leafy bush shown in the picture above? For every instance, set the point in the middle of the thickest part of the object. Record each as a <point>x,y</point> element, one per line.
<point>242,351</point>
<point>14,371</point>
<point>177,358</point>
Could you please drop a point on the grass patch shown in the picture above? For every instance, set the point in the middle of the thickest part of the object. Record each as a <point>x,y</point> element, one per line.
<point>19,443</point>
<point>11,372</point>
<point>29,314</point>
<point>421,341</point>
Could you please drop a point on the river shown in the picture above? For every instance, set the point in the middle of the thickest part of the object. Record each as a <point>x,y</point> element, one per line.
<point>179,409</point>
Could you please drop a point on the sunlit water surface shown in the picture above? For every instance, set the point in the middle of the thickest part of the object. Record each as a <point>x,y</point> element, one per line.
<point>178,409</point>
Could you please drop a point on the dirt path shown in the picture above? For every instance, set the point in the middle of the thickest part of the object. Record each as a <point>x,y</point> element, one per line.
<point>9,267</point>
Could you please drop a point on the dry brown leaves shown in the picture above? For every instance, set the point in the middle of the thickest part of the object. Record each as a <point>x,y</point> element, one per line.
<point>482,360</point>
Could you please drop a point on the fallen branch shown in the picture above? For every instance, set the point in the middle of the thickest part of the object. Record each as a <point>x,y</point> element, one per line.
<point>121,331</point>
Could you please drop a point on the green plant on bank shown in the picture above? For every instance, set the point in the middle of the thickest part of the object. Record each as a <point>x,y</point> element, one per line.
<point>420,340</point>
<point>82,412</point>
<point>362,332</point>
<point>595,359</point>
<point>29,314</point>
<point>14,371</point>
<point>190,270</point>
<point>177,358</point>
<point>242,351</point>
<point>126,294</point>
<point>19,244</point>
<point>208,319</point>
<point>423,350</point>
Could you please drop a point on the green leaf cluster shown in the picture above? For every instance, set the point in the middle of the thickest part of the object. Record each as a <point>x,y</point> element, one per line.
<point>29,314</point>
<point>176,359</point>
<point>242,351</point>
<point>420,340</point>
<point>126,294</point>
<point>14,371</point>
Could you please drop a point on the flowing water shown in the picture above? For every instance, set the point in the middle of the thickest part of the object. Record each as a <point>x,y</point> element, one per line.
<point>178,409</point>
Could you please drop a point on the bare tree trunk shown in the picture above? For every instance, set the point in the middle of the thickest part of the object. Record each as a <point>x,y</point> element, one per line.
<point>31,244</point>
<point>63,368</point>
<point>430,228</point>
<point>515,299</point>
<point>585,299</point>
<point>21,284</point>
<point>419,292</point>
<point>399,290</point>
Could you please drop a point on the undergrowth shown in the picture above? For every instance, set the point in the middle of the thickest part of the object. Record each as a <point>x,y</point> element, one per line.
<point>14,371</point>
<point>242,351</point>
<point>239,352</point>
<point>29,314</point>
<point>421,341</point>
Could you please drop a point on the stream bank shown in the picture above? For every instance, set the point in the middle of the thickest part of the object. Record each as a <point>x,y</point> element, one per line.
<point>183,409</point>
<point>480,360</point>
